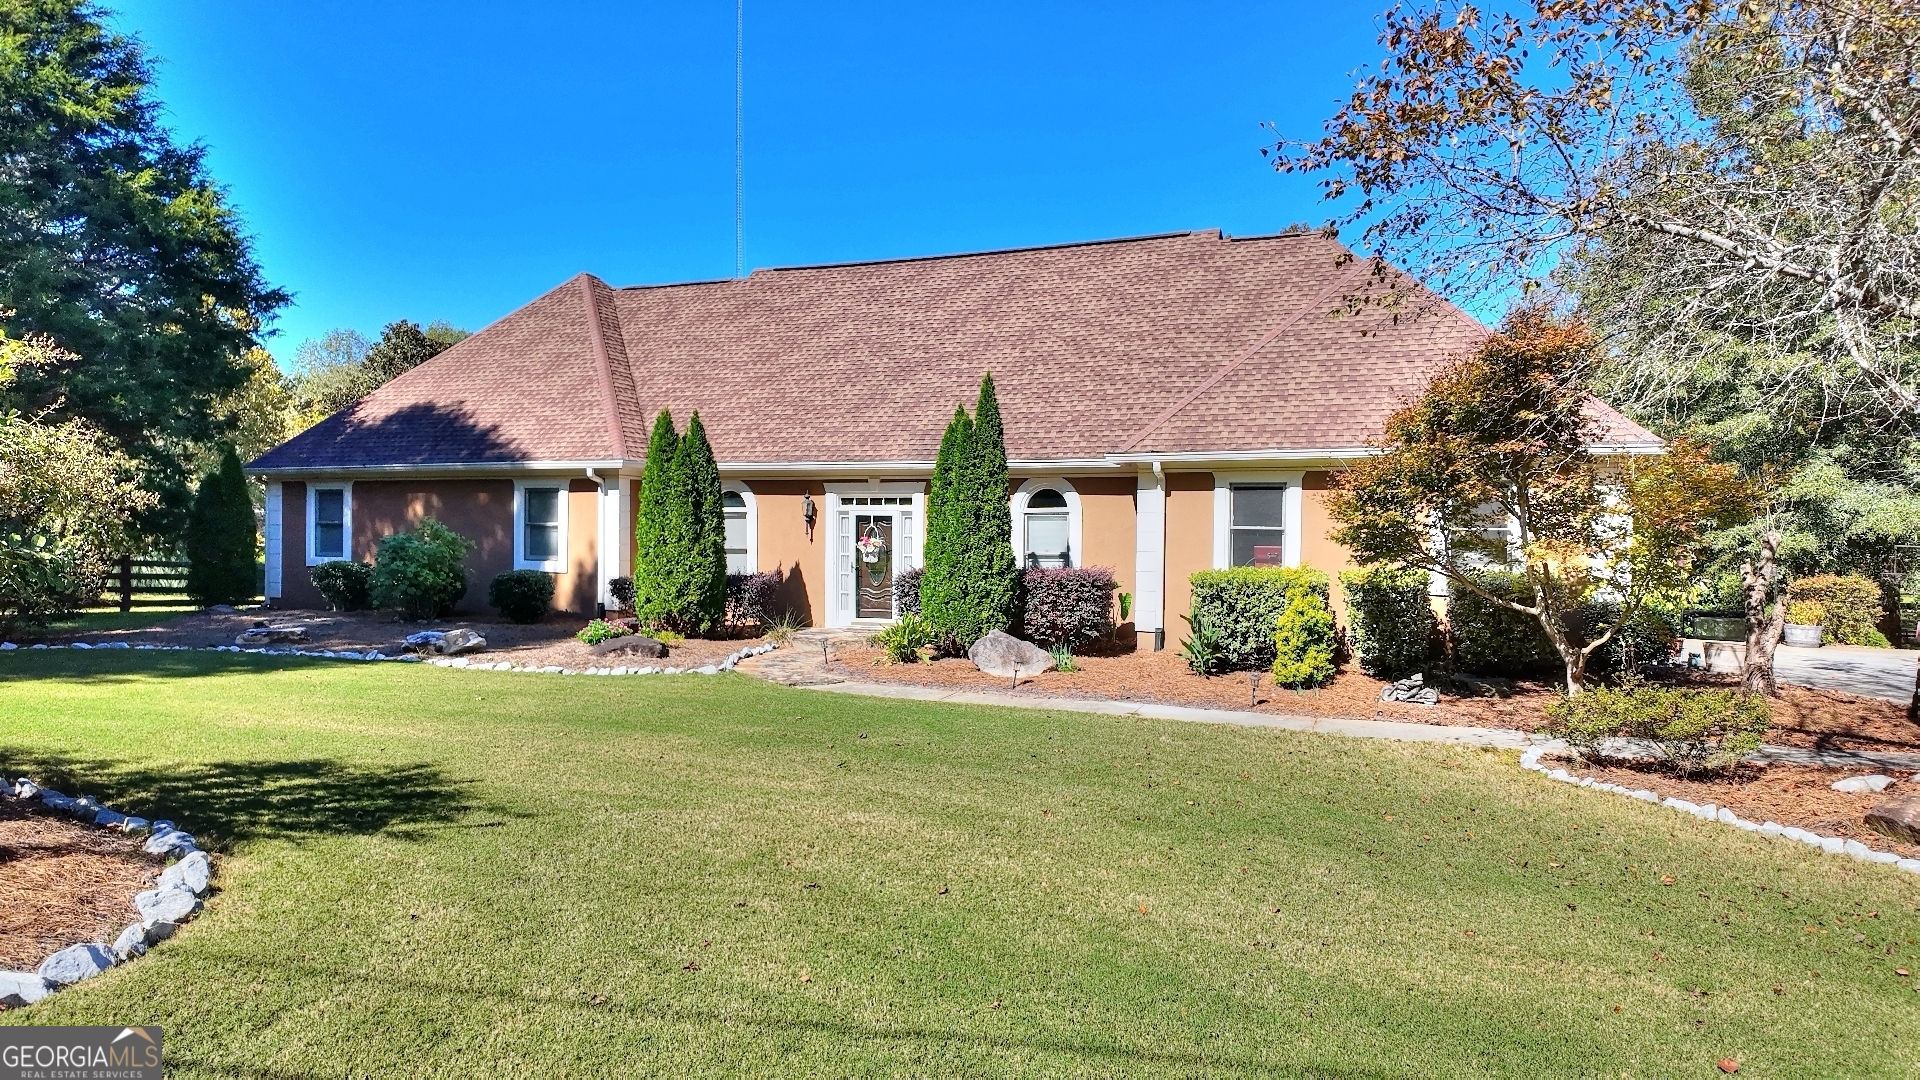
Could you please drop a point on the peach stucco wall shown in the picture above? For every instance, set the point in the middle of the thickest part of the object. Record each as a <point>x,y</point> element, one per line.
<point>1189,544</point>
<point>1316,549</point>
<point>784,546</point>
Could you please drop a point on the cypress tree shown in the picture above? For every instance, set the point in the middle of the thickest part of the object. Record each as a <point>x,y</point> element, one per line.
<point>943,538</point>
<point>969,586</point>
<point>993,577</point>
<point>222,540</point>
<point>651,539</point>
<point>704,572</point>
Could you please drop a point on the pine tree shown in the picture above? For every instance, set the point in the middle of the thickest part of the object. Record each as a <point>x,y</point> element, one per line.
<point>704,572</point>
<point>222,540</point>
<point>969,586</point>
<point>651,539</point>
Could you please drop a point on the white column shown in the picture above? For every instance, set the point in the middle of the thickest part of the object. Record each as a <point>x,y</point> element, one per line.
<point>1150,552</point>
<point>607,538</point>
<point>275,542</point>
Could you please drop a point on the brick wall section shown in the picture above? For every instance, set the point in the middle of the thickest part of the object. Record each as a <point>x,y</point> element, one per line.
<point>480,510</point>
<point>296,586</point>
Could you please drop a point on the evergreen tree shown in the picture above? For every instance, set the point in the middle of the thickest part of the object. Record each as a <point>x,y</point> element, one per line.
<point>650,535</point>
<point>970,583</point>
<point>118,244</point>
<point>943,538</point>
<point>221,540</point>
<point>704,566</point>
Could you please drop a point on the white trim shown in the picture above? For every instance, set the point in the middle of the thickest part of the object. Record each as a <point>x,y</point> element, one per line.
<point>606,551</point>
<point>557,564</point>
<point>753,521</point>
<point>905,557</point>
<point>1076,549</point>
<point>345,487</point>
<point>276,543</point>
<point>1149,551</point>
<point>1290,513</point>
<point>301,472</point>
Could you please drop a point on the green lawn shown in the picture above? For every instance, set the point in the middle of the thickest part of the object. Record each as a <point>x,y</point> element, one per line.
<point>435,872</point>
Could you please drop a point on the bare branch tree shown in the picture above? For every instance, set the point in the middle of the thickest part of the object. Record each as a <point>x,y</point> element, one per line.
<point>1757,164</point>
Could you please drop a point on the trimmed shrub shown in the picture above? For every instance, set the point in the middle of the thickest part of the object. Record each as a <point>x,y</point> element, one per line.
<point>1649,637</point>
<point>1241,609</point>
<point>1067,607</point>
<point>1487,639</point>
<point>1303,642</point>
<point>600,630</point>
<point>222,540</point>
<point>422,572</point>
<point>1390,618</point>
<point>521,595</point>
<point>622,590</point>
<point>344,585</point>
<point>750,597</point>
<point>904,639</point>
<point>1695,730</point>
<point>1851,604</point>
<point>906,590</point>
<point>971,586</point>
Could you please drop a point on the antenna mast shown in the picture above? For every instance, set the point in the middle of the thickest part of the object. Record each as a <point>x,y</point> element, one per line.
<point>739,137</point>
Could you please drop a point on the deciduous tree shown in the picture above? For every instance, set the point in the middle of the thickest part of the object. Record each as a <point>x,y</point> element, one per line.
<point>1504,436</point>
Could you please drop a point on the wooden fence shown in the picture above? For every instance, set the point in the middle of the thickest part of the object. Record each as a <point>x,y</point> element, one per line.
<point>156,581</point>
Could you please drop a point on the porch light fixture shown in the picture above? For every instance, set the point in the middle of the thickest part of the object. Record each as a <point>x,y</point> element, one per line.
<point>807,513</point>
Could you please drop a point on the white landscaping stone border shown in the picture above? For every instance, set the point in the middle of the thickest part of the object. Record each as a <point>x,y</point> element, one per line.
<point>1832,845</point>
<point>438,661</point>
<point>174,899</point>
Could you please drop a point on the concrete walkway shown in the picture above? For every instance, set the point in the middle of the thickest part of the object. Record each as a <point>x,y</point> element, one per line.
<point>1881,673</point>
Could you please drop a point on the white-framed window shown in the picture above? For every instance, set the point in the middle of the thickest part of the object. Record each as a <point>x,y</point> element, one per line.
<point>1046,523</point>
<point>743,528</point>
<point>1496,541</point>
<point>540,525</point>
<point>1256,519</point>
<point>329,522</point>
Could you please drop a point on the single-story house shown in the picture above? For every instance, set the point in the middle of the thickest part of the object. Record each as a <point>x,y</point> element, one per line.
<point>1172,403</point>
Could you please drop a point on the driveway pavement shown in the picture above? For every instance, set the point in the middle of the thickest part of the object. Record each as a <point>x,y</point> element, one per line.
<point>1881,673</point>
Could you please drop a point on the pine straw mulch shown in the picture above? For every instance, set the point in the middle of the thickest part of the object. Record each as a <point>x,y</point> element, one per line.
<point>62,883</point>
<point>1803,717</point>
<point>1797,795</point>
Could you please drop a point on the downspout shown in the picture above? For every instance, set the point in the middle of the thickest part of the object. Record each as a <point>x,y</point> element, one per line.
<point>1160,632</point>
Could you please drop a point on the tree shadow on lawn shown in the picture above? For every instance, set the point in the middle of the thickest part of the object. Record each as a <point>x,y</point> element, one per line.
<point>96,666</point>
<point>227,802</point>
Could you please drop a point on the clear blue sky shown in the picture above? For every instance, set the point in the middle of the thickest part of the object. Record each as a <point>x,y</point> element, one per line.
<point>428,161</point>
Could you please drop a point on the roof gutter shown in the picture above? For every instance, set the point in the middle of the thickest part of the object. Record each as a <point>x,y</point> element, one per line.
<point>467,468</point>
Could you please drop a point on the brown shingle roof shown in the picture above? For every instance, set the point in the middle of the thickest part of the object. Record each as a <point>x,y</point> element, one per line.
<point>1187,343</point>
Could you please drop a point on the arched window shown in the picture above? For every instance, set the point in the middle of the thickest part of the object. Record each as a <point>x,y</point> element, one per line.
<point>739,533</point>
<point>1046,530</point>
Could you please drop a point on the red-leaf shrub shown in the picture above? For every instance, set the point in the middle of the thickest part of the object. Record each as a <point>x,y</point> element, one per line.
<point>750,597</point>
<point>1069,606</point>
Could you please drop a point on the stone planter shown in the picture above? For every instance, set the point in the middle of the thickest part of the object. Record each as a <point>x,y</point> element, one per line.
<point>1803,635</point>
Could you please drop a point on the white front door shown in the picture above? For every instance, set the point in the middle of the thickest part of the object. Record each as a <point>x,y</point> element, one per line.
<point>874,541</point>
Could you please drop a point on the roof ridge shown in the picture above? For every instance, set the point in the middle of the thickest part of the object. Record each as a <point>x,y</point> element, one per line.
<point>1184,233</point>
<point>1245,355</point>
<point>597,333</point>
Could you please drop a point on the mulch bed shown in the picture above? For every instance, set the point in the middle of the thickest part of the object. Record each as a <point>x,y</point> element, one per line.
<point>547,643</point>
<point>1795,795</point>
<point>1803,717</point>
<point>62,883</point>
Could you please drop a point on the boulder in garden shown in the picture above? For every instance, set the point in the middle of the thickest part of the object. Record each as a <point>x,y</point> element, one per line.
<point>1898,817</point>
<point>631,645</point>
<point>1860,785</point>
<point>1002,654</point>
<point>75,963</point>
<point>456,642</point>
<point>271,635</point>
